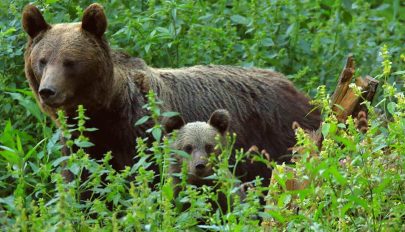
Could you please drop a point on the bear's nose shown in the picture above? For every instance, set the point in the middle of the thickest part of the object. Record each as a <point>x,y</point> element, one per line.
<point>200,167</point>
<point>46,93</point>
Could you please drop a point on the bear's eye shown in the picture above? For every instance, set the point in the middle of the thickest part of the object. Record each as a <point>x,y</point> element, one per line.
<point>42,62</point>
<point>209,148</point>
<point>68,63</point>
<point>188,148</point>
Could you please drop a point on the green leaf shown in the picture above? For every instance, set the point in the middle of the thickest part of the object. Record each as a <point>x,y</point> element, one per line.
<point>347,4</point>
<point>75,168</point>
<point>290,29</point>
<point>268,42</point>
<point>53,145</point>
<point>28,103</point>
<point>341,125</point>
<point>379,147</point>
<point>359,201</point>
<point>382,186</point>
<point>31,151</point>
<point>239,19</point>
<point>339,178</point>
<point>147,47</point>
<point>391,107</point>
<point>142,120</point>
<point>182,153</point>
<point>399,73</point>
<point>170,114</point>
<point>168,191</point>
<point>59,160</point>
<point>325,129</point>
<point>10,155</point>
<point>276,215</point>
<point>19,145</point>
<point>157,133</point>
<point>348,143</point>
<point>345,208</point>
<point>283,200</point>
<point>83,144</point>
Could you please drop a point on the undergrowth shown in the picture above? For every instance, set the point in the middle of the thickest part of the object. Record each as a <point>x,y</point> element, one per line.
<point>356,181</point>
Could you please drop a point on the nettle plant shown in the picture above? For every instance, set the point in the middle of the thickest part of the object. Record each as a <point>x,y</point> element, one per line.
<point>100,197</point>
<point>356,180</point>
<point>200,202</point>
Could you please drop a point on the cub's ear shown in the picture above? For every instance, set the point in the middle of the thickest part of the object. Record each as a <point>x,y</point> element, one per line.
<point>295,125</point>
<point>220,120</point>
<point>173,123</point>
<point>32,21</point>
<point>94,20</point>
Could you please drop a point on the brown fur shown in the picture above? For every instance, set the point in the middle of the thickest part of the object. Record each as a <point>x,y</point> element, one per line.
<point>78,63</point>
<point>361,122</point>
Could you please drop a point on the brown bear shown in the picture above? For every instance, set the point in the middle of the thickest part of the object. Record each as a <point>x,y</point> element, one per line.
<point>71,63</point>
<point>198,139</point>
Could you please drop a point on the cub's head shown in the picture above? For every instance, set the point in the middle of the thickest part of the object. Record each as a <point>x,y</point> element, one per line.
<point>68,64</point>
<point>198,140</point>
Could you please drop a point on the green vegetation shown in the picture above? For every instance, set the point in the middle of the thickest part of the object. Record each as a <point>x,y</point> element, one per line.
<point>306,40</point>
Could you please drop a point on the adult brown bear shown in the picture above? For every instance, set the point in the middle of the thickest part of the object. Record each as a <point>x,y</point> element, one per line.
<point>71,64</point>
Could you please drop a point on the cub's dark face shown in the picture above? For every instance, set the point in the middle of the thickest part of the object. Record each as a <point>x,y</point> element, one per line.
<point>67,64</point>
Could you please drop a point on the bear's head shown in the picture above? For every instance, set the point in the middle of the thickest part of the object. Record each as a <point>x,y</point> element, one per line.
<point>198,139</point>
<point>68,64</point>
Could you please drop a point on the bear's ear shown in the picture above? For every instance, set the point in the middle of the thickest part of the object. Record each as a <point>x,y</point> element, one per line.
<point>173,123</point>
<point>220,120</point>
<point>94,20</point>
<point>32,21</point>
<point>295,125</point>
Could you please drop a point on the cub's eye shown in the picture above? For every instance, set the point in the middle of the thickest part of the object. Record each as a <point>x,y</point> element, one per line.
<point>42,62</point>
<point>209,148</point>
<point>188,148</point>
<point>68,63</point>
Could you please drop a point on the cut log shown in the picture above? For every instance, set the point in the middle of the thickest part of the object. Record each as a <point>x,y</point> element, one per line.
<point>369,91</point>
<point>343,82</point>
<point>349,101</point>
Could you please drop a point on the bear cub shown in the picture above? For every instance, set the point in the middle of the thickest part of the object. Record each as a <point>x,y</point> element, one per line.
<point>198,139</point>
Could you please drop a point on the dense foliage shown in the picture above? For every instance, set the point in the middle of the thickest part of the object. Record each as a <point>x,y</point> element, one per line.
<point>306,40</point>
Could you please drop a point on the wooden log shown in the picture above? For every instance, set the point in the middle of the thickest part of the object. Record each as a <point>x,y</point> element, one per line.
<point>368,94</point>
<point>343,82</point>
<point>350,104</point>
<point>349,101</point>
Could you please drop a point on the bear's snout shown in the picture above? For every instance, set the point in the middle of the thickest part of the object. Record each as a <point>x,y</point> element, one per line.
<point>47,93</point>
<point>201,168</point>
<point>54,87</point>
<point>50,96</point>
